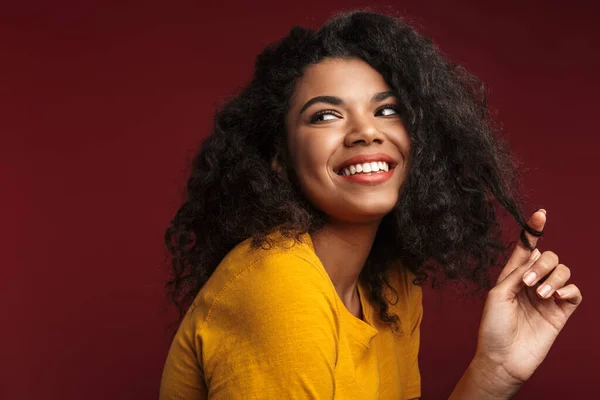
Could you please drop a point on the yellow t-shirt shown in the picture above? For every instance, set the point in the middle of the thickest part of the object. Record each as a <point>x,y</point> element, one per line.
<point>269,324</point>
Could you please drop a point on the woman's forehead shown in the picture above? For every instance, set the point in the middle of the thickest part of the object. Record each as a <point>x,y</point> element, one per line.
<point>351,79</point>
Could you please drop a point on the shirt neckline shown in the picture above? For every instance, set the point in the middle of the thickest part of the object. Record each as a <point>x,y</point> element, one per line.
<point>366,323</point>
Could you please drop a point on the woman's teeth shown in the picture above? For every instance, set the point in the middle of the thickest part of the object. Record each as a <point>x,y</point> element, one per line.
<point>365,168</point>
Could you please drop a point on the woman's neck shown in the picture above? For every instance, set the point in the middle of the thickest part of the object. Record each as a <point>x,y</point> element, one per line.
<point>343,250</point>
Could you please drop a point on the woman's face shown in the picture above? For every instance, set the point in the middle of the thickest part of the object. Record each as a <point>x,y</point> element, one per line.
<point>343,119</point>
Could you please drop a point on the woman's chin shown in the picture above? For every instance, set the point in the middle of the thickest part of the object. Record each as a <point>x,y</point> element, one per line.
<point>361,214</point>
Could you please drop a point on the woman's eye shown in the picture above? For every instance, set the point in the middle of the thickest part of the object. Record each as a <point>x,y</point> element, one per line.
<point>323,116</point>
<point>388,110</point>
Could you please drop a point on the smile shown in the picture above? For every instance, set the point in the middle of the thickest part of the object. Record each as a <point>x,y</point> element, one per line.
<point>370,178</point>
<point>365,168</point>
<point>372,168</point>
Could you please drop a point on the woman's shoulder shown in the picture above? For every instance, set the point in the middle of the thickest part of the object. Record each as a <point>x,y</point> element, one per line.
<point>278,256</point>
<point>260,306</point>
<point>284,270</point>
<point>276,246</point>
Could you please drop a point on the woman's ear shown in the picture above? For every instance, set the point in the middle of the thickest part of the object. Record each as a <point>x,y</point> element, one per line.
<point>277,164</point>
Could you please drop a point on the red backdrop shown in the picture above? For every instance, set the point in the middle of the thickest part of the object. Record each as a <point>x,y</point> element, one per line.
<point>102,104</point>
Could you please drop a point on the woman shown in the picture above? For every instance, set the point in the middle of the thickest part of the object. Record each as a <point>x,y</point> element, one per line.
<point>355,160</point>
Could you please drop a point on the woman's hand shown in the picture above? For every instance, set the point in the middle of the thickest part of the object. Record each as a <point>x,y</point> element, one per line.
<point>521,317</point>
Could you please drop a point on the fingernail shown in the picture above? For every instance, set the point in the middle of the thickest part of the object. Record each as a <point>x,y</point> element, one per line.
<point>542,210</point>
<point>529,278</point>
<point>534,255</point>
<point>545,290</point>
<point>558,292</point>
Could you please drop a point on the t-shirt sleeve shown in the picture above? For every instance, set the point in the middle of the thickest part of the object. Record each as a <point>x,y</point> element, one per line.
<point>272,333</point>
<point>413,330</point>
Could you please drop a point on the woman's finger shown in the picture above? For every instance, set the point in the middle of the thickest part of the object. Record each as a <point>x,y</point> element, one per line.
<point>510,286</point>
<point>556,279</point>
<point>521,254</point>
<point>569,298</point>
<point>539,270</point>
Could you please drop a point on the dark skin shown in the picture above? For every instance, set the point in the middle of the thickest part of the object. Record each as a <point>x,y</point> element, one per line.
<point>520,320</point>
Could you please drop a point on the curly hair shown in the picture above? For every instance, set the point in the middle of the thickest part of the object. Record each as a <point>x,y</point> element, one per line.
<point>447,215</point>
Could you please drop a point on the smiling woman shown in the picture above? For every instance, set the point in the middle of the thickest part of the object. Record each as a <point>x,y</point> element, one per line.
<point>355,157</point>
<point>359,126</point>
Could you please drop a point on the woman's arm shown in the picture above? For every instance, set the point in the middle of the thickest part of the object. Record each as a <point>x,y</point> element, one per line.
<point>482,381</point>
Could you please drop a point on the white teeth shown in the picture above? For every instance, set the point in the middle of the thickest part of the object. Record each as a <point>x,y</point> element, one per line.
<point>366,168</point>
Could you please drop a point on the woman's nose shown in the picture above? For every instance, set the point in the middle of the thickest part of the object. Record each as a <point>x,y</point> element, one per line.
<point>363,131</point>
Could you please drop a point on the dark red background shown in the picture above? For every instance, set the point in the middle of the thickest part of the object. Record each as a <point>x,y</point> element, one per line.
<point>102,104</point>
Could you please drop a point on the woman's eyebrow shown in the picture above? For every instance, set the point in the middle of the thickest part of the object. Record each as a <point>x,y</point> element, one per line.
<point>336,101</point>
<point>382,96</point>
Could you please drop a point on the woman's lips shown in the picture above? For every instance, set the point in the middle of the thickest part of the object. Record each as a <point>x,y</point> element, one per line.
<point>367,158</point>
<point>370,178</point>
